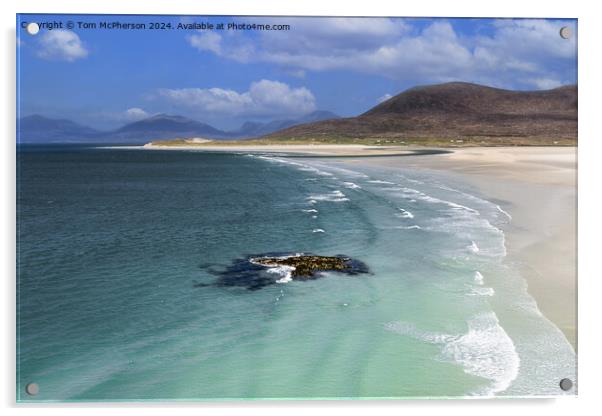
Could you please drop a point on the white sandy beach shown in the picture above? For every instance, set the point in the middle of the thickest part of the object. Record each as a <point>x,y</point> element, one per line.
<point>309,149</point>
<point>537,186</point>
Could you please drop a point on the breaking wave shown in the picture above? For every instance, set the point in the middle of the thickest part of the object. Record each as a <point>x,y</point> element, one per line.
<point>334,196</point>
<point>485,350</point>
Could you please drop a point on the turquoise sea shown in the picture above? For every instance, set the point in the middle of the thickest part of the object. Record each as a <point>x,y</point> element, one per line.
<point>134,282</point>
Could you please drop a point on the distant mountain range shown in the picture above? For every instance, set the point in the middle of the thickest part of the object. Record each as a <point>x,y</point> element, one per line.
<point>456,110</point>
<point>252,129</point>
<point>430,114</point>
<point>40,129</point>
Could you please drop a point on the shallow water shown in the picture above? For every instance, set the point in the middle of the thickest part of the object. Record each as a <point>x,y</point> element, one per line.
<point>119,253</point>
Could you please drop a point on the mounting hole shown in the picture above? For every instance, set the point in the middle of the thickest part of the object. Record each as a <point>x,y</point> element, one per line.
<point>32,28</point>
<point>566,384</point>
<point>565,32</point>
<point>32,389</point>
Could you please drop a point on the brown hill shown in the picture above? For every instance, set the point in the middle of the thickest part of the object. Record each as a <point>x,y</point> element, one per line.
<point>455,111</point>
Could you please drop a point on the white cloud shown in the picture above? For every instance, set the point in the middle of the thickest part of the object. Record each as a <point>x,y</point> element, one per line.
<point>264,98</point>
<point>512,52</point>
<point>436,54</point>
<point>530,38</point>
<point>384,98</point>
<point>545,83</point>
<point>135,113</point>
<point>331,36</point>
<point>312,43</point>
<point>207,41</point>
<point>61,45</point>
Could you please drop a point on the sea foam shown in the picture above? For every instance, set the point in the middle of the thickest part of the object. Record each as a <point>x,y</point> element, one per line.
<point>404,213</point>
<point>473,248</point>
<point>482,291</point>
<point>351,185</point>
<point>478,278</point>
<point>286,273</point>
<point>485,350</point>
<point>408,227</point>
<point>300,166</point>
<point>334,196</point>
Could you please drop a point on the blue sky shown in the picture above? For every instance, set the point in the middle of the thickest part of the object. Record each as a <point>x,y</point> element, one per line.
<point>107,77</point>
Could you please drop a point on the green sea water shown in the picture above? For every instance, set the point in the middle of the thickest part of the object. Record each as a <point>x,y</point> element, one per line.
<point>118,296</point>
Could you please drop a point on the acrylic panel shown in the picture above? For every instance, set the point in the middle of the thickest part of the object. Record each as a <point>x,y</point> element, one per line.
<point>248,207</point>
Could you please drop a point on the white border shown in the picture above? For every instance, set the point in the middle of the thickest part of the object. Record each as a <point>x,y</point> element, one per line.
<point>590,210</point>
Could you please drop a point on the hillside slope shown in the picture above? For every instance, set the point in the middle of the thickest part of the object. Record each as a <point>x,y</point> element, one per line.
<point>455,111</point>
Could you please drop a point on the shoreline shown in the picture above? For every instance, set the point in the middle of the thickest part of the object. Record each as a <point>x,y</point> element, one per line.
<point>307,150</point>
<point>331,150</point>
<point>537,186</point>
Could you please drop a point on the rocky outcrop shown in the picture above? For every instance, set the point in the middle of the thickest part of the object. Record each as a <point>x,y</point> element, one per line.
<point>306,266</point>
<point>258,271</point>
